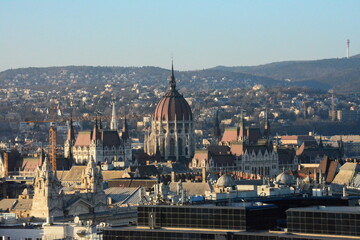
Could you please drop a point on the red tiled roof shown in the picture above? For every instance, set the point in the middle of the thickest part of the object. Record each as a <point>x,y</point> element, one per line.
<point>237,149</point>
<point>30,164</point>
<point>332,171</point>
<point>230,135</point>
<point>83,138</point>
<point>201,155</point>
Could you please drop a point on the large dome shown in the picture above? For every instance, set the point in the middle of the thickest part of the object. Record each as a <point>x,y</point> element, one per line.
<point>172,106</point>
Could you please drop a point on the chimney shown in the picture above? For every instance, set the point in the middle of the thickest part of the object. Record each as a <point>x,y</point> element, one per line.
<point>203,173</point>
<point>173,177</point>
<point>6,164</point>
<point>344,191</point>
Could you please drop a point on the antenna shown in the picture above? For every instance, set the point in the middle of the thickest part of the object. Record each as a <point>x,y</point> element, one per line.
<point>347,48</point>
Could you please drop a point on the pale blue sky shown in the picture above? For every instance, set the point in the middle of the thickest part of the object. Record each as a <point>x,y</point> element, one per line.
<point>199,33</point>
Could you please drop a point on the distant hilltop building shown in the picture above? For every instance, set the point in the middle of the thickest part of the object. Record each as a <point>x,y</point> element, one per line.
<point>172,130</point>
<point>104,146</point>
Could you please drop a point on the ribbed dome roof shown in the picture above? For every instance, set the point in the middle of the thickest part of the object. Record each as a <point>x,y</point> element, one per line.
<point>225,181</point>
<point>284,178</point>
<point>173,105</point>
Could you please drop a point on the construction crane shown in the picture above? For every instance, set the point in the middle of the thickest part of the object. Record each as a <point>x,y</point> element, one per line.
<point>52,132</point>
<point>52,147</point>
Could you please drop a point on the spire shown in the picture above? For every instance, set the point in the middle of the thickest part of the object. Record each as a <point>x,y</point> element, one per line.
<point>242,126</point>
<point>172,78</point>
<point>46,167</point>
<point>42,155</point>
<point>70,136</point>
<point>100,122</point>
<point>95,132</point>
<point>157,153</point>
<point>217,130</point>
<point>267,125</point>
<point>113,124</point>
<point>125,132</point>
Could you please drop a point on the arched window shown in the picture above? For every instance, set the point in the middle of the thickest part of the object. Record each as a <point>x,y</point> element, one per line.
<point>180,146</point>
<point>172,147</point>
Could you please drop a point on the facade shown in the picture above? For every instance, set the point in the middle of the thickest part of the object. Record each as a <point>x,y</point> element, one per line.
<point>51,199</point>
<point>206,217</point>
<point>250,223</point>
<point>172,129</point>
<point>46,201</point>
<point>258,162</point>
<point>255,155</point>
<point>104,146</point>
<point>332,221</point>
<point>243,149</point>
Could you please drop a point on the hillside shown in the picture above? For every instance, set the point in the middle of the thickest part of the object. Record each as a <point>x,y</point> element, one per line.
<point>339,73</point>
<point>85,75</point>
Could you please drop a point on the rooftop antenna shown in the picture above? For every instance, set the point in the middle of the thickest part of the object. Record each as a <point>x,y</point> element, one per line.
<point>347,48</point>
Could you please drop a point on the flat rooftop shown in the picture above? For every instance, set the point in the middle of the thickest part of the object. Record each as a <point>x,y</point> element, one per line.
<point>236,232</point>
<point>330,209</point>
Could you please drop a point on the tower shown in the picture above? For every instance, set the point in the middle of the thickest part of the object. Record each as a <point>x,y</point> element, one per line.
<point>242,127</point>
<point>47,200</point>
<point>52,146</point>
<point>172,126</point>
<point>347,48</point>
<point>266,126</point>
<point>92,180</point>
<point>217,130</point>
<point>96,146</point>
<point>113,123</point>
<point>124,131</point>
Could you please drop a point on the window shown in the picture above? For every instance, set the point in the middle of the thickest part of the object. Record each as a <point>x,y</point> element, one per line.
<point>180,146</point>
<point>172,147</point>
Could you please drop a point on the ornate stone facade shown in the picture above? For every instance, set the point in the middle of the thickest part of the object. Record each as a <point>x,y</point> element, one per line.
<point>47,199</point>
<point>259,163</point>
<point>172,129</point>
<point>51,199</point>
<point>104,146</point>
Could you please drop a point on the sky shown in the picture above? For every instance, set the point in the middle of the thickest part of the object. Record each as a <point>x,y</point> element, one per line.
<point>198,34</point>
